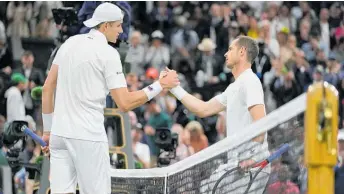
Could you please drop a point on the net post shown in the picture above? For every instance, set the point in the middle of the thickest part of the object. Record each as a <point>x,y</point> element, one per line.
<point>321,127</point>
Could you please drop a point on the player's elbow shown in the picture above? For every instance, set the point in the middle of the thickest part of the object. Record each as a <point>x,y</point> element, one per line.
<point>201,114</point>
<point>123,105</point>
<point>124,108</point>
<point>47,88</point>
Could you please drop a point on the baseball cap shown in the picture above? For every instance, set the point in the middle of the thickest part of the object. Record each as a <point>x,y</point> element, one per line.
<point>18,78</point>
<point>105,12</point>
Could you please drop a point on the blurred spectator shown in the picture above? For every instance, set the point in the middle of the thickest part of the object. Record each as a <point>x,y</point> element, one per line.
<point>335,15</point>
<point>208,65</point>
<point>324,27</point>
<point>283,185</point>
<point>156,118</point>
<point>284,86</point>
<point>15,102</point>
<point>198,140</point>
<point>141,151</point>
<point>43,21</point>
<point>19,13</point>
<point>303,34</point>
<point>167,102</point>
<point>262,63</point>
<point>313,46</point>
<point>301,71</point>
<point>332,75</point>
<point>184,149</point>
<point>158,54</point>
<point>183,43</point>
<point>273,49</point>
<point>135,54</point>
<point>161,17</point>
<point>339,51</point>
<point>253,30</point>
<point>318,74</point>
<point>34,76</point>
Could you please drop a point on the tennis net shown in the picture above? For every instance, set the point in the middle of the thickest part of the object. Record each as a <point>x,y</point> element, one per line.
<point>200,172</point>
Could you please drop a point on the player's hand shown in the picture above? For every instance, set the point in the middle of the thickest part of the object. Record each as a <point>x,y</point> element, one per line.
<point>169,80</point>
<point>46,138</point>
<point>246,164</point>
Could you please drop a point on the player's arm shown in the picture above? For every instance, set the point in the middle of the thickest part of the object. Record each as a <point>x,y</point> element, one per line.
<point>254,98</point>
<point>117,85</point>
<point>48,97</point>
<point>257,112</point>
<point>127,101</point>
<point>198,107</point>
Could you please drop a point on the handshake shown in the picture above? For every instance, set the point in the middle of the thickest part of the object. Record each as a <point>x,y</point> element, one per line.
<point>168,79</point>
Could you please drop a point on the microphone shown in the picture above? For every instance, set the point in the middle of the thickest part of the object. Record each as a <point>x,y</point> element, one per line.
<point>36,93</point>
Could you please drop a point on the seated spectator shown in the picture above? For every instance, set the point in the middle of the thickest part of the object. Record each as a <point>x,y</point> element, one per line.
<point>167,102</point>
<point>135,54</point>
<point>283,185</point>
<point>184,149</point>
<point>197,138</point>
<point>140,150</point>
<point>156,118</point>
<point>208,64</point>
<point>158,54</point>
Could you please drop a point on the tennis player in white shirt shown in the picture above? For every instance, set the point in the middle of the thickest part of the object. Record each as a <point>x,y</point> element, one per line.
<point>84,70</point>
<point>243,101</point>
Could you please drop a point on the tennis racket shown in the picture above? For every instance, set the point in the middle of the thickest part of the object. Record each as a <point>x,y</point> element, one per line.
<point>261,166</point>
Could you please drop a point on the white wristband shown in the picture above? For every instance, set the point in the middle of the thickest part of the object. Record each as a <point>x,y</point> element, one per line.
<point>178,92</point>
<point>152,90</point>
<point>47,121</point>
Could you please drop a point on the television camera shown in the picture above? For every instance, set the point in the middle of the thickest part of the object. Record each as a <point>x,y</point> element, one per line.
<point>167,142</point>
<point>14,140</point>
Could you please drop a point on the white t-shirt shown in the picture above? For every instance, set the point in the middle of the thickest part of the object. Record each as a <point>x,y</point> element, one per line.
<point>142,151</point>
<point>87,69</point>
<point>245,92</point>
<point>15,105</point>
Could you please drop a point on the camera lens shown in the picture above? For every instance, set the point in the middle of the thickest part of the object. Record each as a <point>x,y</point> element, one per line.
<point>163,136</point>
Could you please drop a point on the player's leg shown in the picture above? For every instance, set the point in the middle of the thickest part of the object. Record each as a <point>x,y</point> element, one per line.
<point>62,172</point>
<point>92,163</point>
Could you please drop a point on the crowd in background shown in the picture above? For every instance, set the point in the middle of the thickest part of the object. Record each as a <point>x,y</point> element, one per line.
<point>300,43</point>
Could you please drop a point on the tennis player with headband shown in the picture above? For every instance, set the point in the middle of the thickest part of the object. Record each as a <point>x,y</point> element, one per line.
<point>84,70</point>
<point>243,101</point>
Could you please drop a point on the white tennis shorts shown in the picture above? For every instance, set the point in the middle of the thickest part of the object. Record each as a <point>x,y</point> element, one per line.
<point>81,162</point>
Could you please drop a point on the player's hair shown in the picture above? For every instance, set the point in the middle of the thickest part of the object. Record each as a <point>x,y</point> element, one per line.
<point>251,46</point>
<point>97,27</point>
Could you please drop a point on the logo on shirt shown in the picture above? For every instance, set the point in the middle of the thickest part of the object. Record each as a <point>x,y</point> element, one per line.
<point>150,88</point>
<point>119,73</point>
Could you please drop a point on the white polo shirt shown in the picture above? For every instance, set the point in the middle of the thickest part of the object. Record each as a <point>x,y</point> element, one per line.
<point>245,92</point>
<point>87,69</point>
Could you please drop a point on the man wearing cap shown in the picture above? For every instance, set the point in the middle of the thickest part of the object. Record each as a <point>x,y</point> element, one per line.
<point>84,70</point>
<point>15,105</point>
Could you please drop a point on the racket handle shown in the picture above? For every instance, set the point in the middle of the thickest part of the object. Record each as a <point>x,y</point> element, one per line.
<point>35,137</point>
<point>278,153</point>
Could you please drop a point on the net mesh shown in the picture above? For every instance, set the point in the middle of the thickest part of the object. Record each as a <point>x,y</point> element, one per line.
<point>200,172</point>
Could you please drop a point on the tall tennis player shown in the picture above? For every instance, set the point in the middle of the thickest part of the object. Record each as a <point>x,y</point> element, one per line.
<point>84,70</point>
<point>243,101</point>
